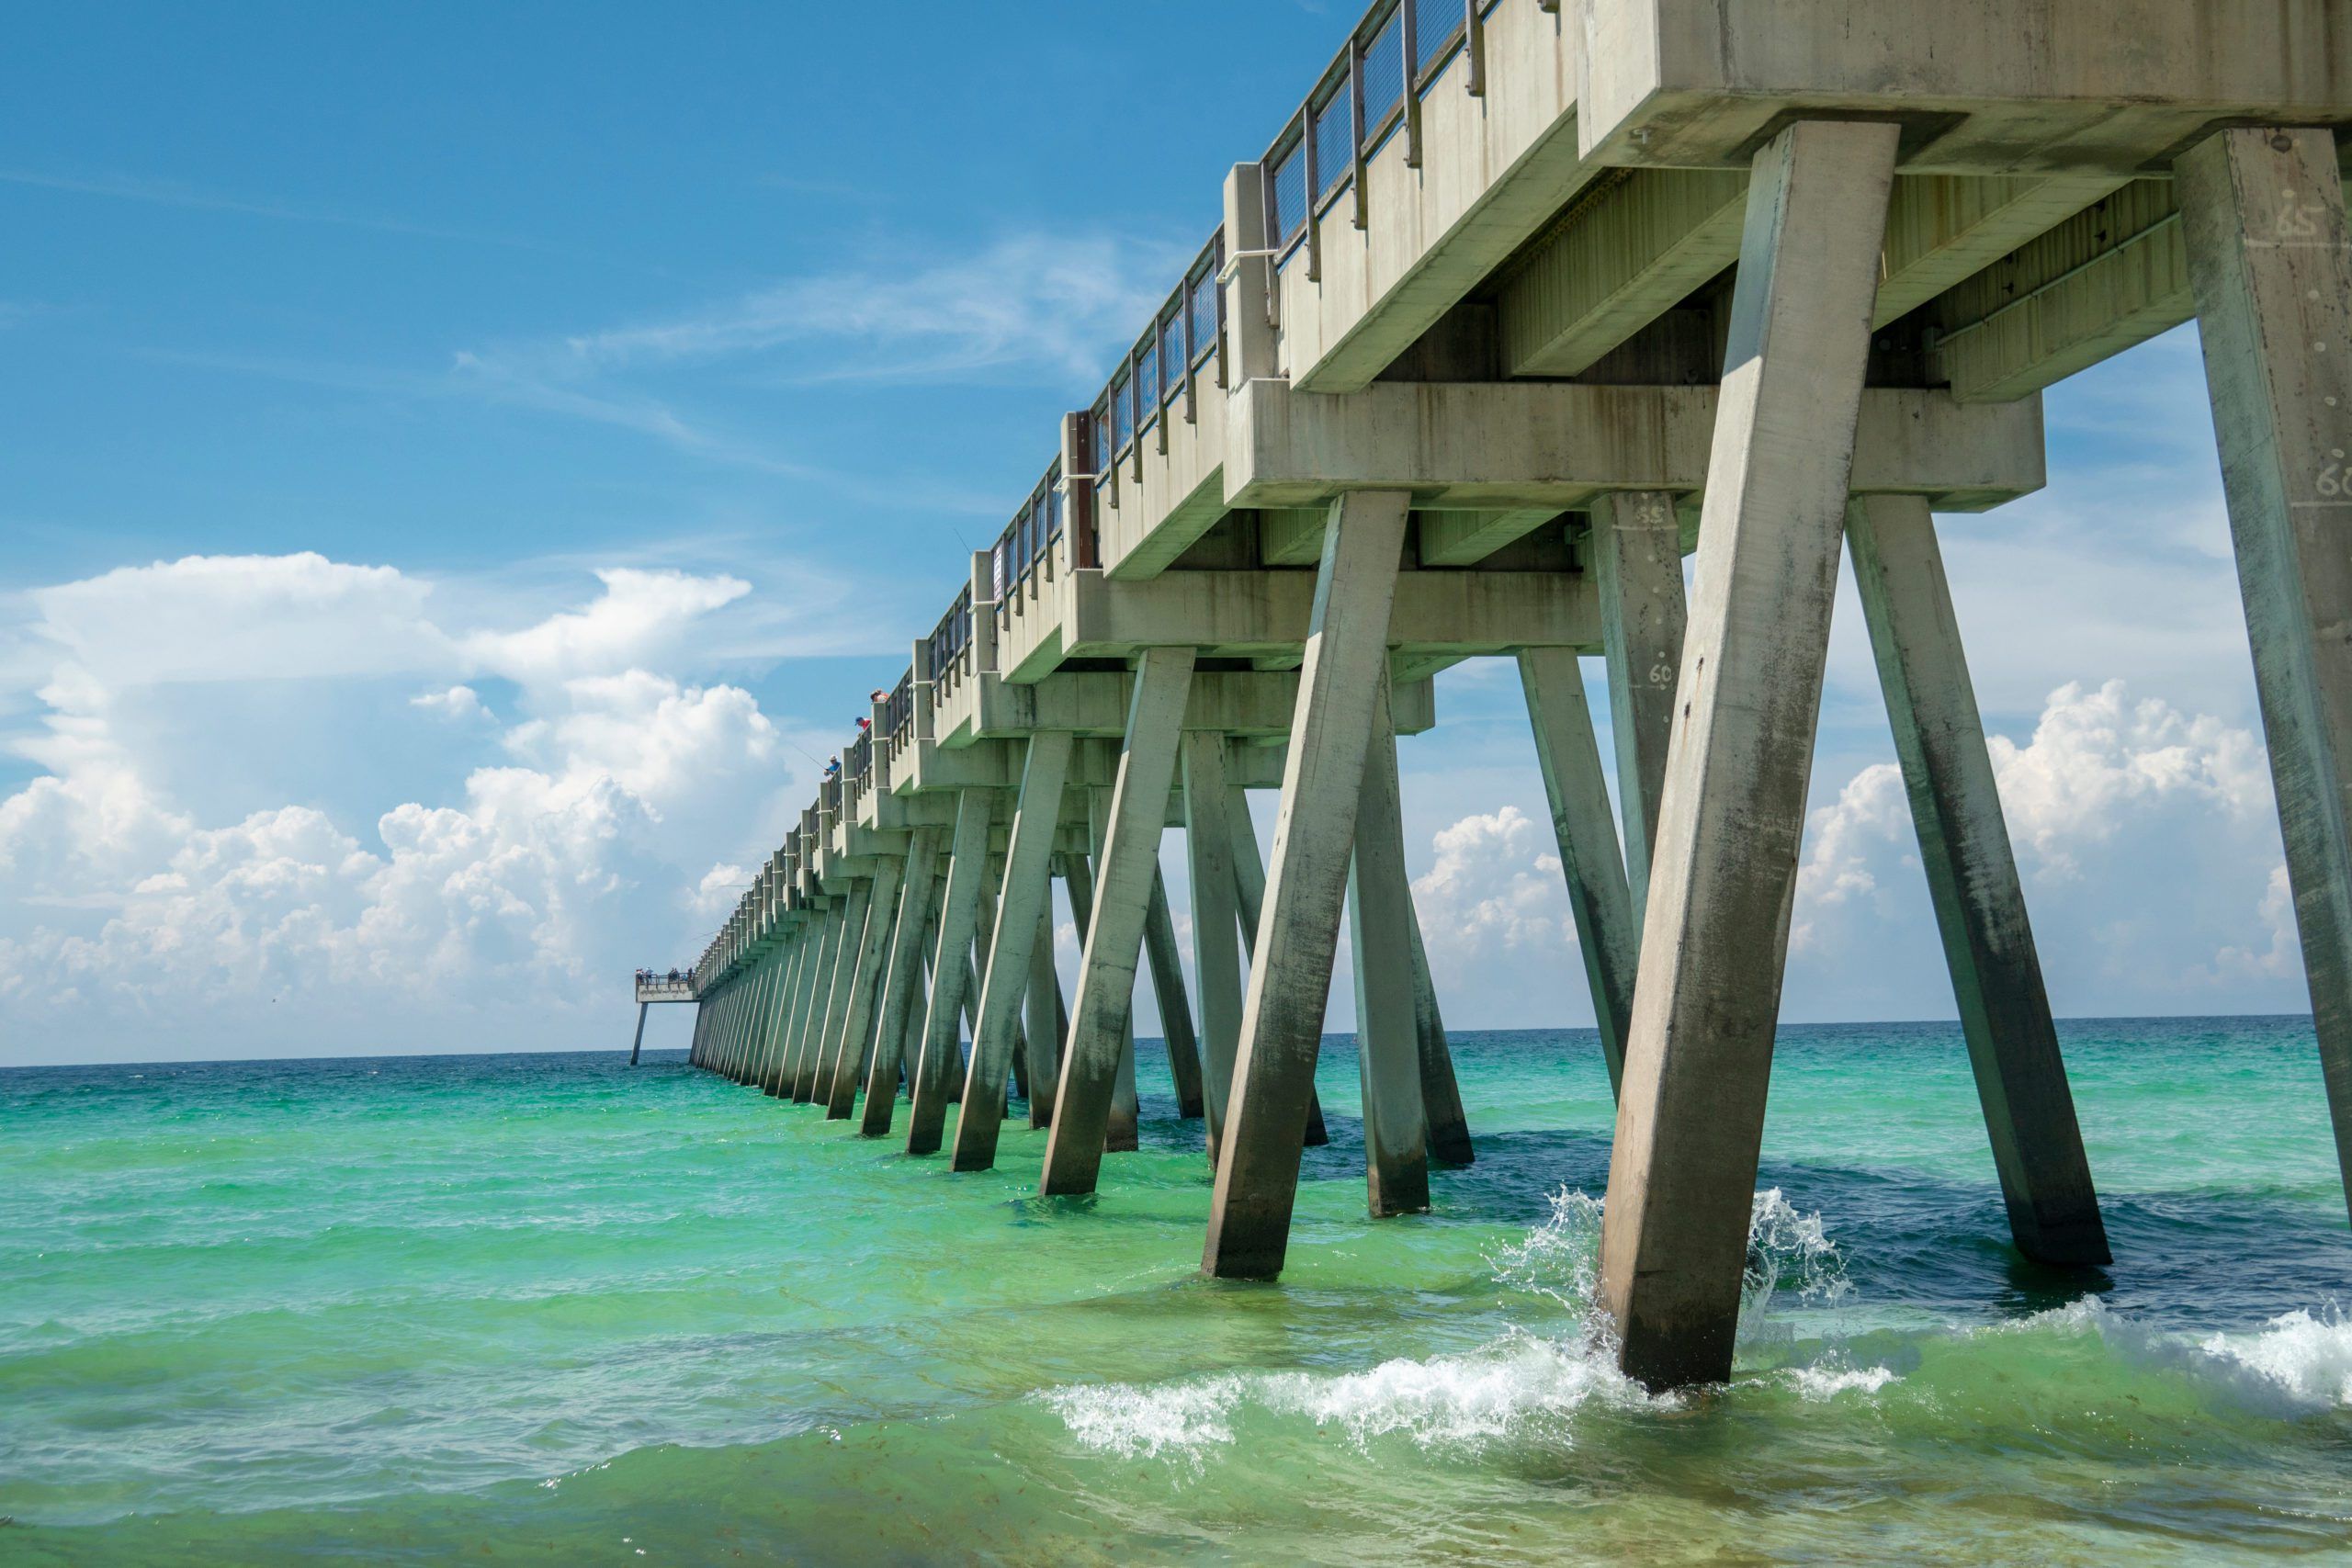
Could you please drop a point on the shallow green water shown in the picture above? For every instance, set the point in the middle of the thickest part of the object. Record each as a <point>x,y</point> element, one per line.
<point>548,1309</point>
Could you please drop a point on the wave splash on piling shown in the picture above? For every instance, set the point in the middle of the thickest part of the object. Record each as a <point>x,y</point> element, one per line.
<point>1524,1386</point>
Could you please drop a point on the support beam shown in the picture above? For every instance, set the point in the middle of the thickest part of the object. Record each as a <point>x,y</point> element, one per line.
<point>1175,1003</point>
<point>1217,950</point>
<point>800,999</point>
<point>1250,896</point>
<point>1973,878</point>
<point>1465,539</point>
<point>1123,1132</point>
<point>1043,1031</point>
<point>1449,1125</point>
<point>833,1043</point>
<point>1698,1055</point>
<point>637,1046</point>
<point>959,910</point>
<point>902,981</point>
<point>857,1025</point>
<point>1631,248</point>
<point>1388,1052</point>
<point>1608,935</point>
<point>762,1064</point>
<point>1027,875</point>
<point>816,1023</point>
<point>1298,931</point>
<point>1102,1026</point>
<point>2272,265</point>
<point>1637,562</point>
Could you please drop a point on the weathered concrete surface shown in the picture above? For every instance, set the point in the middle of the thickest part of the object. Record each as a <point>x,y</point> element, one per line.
<point>1637,563</point>
<point>866,978</point>
<point>1449,1125</point>
<point>1042,1035</point>
<point>1388,1048</point>
<point>1217,950</point>
<point>1347,664</point>
<point>1972,879</point>
<point>959,910</point>
<point>2272,264</point>
<point>2006,86</point>
<point>1250,894</point>
<point>902,984</point>
<point>1027,880</point>
<point>1698,1053</point>
<point>1175,1003</point>
<point>1608,932</point>
<point>1101,1024</point>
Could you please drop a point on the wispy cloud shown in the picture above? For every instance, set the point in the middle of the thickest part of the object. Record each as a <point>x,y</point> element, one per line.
<point>176,193</point>
<point>1036,303</point>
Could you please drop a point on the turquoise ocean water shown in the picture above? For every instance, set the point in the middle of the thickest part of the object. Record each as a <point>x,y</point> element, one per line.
<point>548,1309</point>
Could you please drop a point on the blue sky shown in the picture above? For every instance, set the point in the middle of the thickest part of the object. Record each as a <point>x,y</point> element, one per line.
<point>460,466</point>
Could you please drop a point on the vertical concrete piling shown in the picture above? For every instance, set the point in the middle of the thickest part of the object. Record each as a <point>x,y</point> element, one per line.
<point>1389,1054</point>
<point>1715,936</point>
<point>1345,668</point>
<point>1608,932</point>
<point>902,980</point>
<point>1636,545</point>
<point>1175,1005</point>
<point>1027,872</point>
<point>951,971</point>
<point>1101,1029</point>
<point>2271,266</point>
<point>1972,879</point>
<point>1217,947</point>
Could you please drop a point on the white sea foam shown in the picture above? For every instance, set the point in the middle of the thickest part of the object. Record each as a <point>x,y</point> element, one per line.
<point>2309,1358</point>
<point>1827,1380</point>
<point>1521,1386</point>
<point>2293,1366</point>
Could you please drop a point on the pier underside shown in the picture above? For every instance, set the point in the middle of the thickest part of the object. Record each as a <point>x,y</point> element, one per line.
<point>1594,290</point>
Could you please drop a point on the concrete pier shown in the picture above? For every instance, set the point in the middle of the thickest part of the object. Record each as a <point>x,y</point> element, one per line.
<point>1475,356</point>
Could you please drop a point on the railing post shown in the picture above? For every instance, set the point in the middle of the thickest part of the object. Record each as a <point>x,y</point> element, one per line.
<point>1249,290</point>
<point>1474,44</point>
<point>1411,11</point>
<point>1355,120</point>
<point>1077,492</point>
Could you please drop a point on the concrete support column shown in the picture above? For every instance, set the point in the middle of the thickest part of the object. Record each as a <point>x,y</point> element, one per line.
<point>1608,932</point>
<point>1250,894</point>
<point>1973,877</point>
<point>1216,949</point>
<point>1043,1030</point>
<point>1102,1033</point>
<point>763,1074</point>
<point>1637,563</point>
<point>798,1001</point>
<point>809,1042</point>
<point>2271,266</point>
<point>1448,1124</point>
<point>959,910</point>
<point>857,1026</point>
<point>902,979</point>
<point>1345,670</point>
<point>833,1043</point>
<point>637,1046</point>
<point>1388,1054</point>
<point>1028,871</point>
<point>1699,1053</point>
<point>1121,1132</point>
<point>1175,1003</point>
